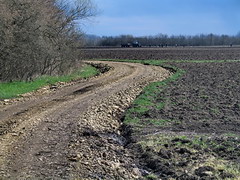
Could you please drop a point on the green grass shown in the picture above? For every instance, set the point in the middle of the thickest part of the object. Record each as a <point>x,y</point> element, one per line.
<point>151,177</point>
<point>160,105</point>
<point>13,89</point>
<point>131,120</point>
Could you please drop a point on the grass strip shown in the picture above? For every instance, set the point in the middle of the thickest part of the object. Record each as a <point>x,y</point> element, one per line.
<point>14,89</point>
<point>146,99</point>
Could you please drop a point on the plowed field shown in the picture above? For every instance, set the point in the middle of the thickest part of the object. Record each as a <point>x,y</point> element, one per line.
<point>194,131</point>
<point>171,53</point>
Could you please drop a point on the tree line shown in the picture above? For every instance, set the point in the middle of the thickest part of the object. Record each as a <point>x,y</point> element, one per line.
<point>40,37</point>
<point>165,40</point>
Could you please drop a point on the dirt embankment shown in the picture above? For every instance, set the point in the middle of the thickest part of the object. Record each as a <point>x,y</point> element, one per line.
<point>73,132</point>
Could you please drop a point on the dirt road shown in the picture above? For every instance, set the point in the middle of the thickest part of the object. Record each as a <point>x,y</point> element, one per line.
<point>73,132</point>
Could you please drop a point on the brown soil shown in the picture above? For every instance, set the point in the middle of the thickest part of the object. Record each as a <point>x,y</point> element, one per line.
<point>204,99</point>
<point>73,132</point>
<point>200,125</point>
<point>170,53</point>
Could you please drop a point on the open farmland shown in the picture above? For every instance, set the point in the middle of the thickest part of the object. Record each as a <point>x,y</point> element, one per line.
<point>170,53</point>
<point>190,129</point>
<point>135,121</point>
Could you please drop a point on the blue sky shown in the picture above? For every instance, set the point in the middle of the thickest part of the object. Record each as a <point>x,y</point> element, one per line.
<point>172,17</point>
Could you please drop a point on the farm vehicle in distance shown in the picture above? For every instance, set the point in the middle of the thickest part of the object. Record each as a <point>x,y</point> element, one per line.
<point>134,44</point>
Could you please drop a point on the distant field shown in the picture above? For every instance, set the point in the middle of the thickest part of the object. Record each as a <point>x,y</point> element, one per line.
<point>170,53</point>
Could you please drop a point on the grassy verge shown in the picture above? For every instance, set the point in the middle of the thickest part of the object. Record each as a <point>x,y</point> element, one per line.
<point>13,89</point>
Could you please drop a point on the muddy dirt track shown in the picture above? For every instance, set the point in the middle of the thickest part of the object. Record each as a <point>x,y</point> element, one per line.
<point>73,132</point>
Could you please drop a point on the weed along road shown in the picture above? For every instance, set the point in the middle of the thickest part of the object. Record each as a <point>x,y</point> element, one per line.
<point>73,132</point>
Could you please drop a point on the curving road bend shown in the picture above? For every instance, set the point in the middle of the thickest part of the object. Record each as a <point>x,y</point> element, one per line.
<point>38,137</point>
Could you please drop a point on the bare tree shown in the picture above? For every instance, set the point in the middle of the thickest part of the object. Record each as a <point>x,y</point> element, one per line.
<point>40,37</point>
